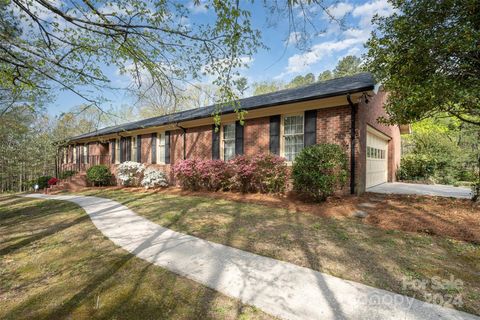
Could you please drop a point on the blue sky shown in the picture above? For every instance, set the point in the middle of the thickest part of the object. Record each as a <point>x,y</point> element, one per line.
<point>283,60</point>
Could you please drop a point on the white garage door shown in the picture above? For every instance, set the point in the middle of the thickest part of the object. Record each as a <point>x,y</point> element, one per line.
<point>377,155</point>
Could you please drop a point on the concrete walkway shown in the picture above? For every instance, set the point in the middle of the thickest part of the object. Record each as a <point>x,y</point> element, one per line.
<point>422,189</point>
<point>278,288</point>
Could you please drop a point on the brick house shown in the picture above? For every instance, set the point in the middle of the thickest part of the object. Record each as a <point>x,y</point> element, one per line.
<point>342,111</point>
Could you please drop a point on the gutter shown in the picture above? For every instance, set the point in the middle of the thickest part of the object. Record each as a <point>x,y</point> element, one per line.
<point>353,112</point>
<point>184,140</point>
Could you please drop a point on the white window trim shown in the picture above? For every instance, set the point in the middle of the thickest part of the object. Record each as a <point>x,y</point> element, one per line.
<point>85,153</point>
<point>117,150</point>
<point>282,132</point>
<point>222,142</point>
<point>133,152</point>
<point>75,154</point>
<point>160,143</point>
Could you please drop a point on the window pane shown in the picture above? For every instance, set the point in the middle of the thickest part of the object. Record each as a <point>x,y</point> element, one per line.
<point>229,150</point>
<point>293,136</point>
<point>229,141</point>
<point>161,148</point>
<point>229,131</point>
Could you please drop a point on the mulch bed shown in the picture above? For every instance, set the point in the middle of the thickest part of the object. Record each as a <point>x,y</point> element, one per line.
<point>454,218</point>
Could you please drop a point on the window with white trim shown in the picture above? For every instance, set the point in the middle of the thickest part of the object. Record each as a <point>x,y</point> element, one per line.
<point>228,141</point>
<point>74,154</point>
<point>293,136</point>
<point>161,148</point>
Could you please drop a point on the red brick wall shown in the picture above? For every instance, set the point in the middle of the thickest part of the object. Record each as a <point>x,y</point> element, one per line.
<point>146,148</point>
<point>176,146</point>
<point>334,126</point>
<point>368,116</point>
<point>199,143</point>
<point>256,136</point>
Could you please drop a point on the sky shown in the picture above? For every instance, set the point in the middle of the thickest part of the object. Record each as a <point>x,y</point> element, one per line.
<point>283,59</point>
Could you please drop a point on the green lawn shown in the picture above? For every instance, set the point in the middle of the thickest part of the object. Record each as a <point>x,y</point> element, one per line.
<point>345,247</point>
<point>56,265</point>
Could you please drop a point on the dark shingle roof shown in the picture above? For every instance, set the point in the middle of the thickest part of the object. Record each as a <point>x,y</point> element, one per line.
<point>335,87</point>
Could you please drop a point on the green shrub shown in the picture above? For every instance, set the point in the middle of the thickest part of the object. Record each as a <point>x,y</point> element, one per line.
<point>43,181</point>
<point>67,174</point>
<point>99,175</point>
<point>320,170</point>
<point>417,167</point>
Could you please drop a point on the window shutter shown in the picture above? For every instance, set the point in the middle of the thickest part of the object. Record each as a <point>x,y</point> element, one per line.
<point>122,149</point>
<point>275,134</point>
<point>139,149</point>
<point>128,146</point>
<point>78,153</point>
<point>167,147</point>
<point>87,156</point>
<point>112,150</point>
<point>310,131</point>
<point>154,148</point>
<point>238,138</point>
<point>215,143</point>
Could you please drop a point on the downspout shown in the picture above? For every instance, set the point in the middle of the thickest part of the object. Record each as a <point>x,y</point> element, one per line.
<point>184,140</point>
<point>353,112</point>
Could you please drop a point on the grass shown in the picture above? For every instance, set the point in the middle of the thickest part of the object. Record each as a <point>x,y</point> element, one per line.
<point>56,265</point>
<point>343,247</point>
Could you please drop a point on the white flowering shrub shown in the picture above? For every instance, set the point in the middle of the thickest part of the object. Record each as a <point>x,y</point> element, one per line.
<point>130,172</point>
<point>153,178</point>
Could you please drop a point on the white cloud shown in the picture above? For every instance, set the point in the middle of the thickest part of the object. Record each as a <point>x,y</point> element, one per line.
<point>339,10</point>
<point>293,38</point>
<point>346,42</point>
<point>301,62</point>
<point>367,10</point>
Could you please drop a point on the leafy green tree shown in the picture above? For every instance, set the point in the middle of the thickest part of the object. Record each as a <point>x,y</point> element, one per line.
<point>66,44</point>
<point>348,66</point>
<point>443,149</point>
<point>300,80</point>
<point>241,86</point>
<point>325,75</point>
<point>266,87</point>
<point>427,56</point>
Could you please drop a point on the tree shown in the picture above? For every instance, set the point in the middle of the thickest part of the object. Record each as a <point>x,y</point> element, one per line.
<point>298,81</point>
<point>267,87</point>
<point>325,75</point>
<point>450,147</point>
<point>427,57</point>
<point>241,86</point>
<point>348,66</point>
<point>66,44</point>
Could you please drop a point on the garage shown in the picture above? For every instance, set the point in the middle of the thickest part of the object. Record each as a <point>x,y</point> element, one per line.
<point>377,157</point>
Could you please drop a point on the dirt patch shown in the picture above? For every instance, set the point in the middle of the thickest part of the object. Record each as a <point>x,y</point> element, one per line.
<point>455,218</point>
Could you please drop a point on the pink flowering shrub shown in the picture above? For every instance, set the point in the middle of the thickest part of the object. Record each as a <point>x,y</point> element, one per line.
<point>264,173</point>
<point>187,174</point>
<point>271,173</point>
<point>244,170</point>
<point>214,175</point>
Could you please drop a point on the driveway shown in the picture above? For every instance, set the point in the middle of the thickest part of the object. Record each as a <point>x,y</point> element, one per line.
<point>282,289</point>
<point>422,189</point>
